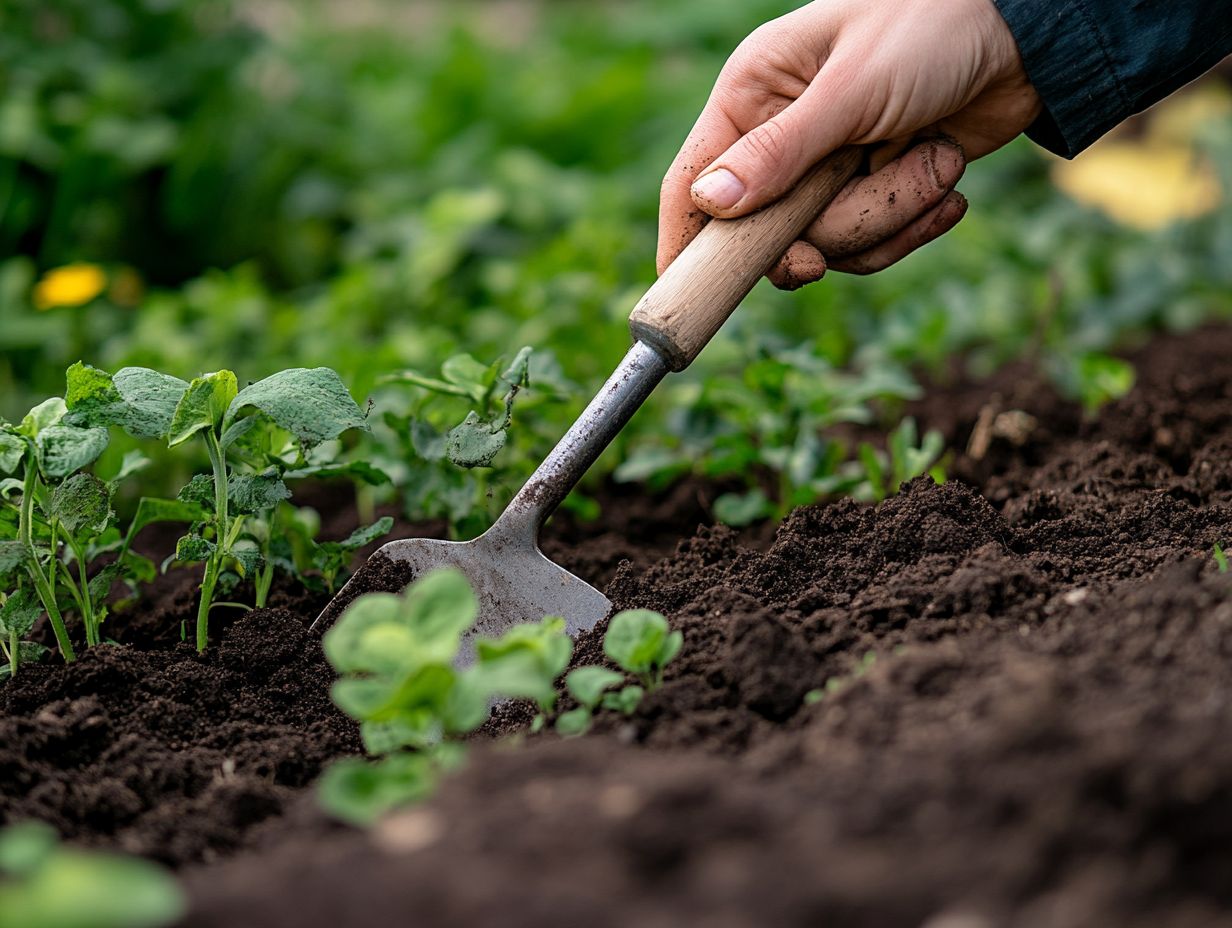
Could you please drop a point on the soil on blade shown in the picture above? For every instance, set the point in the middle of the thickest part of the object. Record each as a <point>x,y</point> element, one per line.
<point>1002,701</point>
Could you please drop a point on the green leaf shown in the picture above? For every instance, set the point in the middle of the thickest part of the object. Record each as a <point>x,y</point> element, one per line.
<point>44,415</point>
<point>464,371</point>
<point>517,675</point>
<point>545,640</point>
<point>587,684</point>
<point>199,492</point>
<point>133,462</point>
<point>742,508</point>
<point>359,791</point>
<point>248,556</point>
<point>12,451</point>
<point>151,509</point>
<point>203,406</point>
<point>69,888</point>
<point>311,404</point>
<point>639,641</point>
<point>625,700</point>
<point>357,470</point>
<point>82,502</point>
<point>13,554</point>
<point>64,449</point>
<point>574,722</point>
<point>193,548</point>
<point>250,493</point>
<point>25,847</point>
<point>366,534</point>
<point>475,442</point>
<point>139,400</point>
<point>19,613</point>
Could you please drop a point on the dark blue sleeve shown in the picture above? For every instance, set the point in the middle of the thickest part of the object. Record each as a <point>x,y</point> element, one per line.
<point>1097,62</point>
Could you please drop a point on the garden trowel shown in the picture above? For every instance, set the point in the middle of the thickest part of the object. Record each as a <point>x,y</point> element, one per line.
<point>671,324</point>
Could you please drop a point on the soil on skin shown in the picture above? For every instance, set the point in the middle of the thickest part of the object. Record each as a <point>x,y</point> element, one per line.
<point>998,702</point>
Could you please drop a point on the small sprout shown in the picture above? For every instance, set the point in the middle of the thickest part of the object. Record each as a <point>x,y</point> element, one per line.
<point>396,657</point>
<point>587,685</point>
<point>46,885</point>
<point>640,642</point>
<point>1221,559</point>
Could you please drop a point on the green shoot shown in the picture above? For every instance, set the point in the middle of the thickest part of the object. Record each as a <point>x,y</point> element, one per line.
<point>18,613</point>
<point>46,885</point>
<point>1221,559</point>
<point>640,642</point>
<point>396,658</point>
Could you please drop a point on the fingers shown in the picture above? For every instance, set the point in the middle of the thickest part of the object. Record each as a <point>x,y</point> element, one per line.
<point>875,208</point>
<point>933,224</point>
<point>801,264</point>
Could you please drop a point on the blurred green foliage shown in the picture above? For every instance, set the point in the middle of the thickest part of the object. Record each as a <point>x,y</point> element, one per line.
<point>376,187</point>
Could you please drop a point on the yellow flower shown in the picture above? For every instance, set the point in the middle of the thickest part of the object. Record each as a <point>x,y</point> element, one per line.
<point>71,285</point>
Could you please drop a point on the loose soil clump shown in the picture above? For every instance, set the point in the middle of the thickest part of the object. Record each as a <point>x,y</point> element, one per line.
<point>1001,701</point>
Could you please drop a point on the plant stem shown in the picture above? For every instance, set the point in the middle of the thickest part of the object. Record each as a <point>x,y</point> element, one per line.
<point>87,604</point>
<point>265,576</point>
<point>46,593</point>
<point>13,653</point>
<point>213,565</point>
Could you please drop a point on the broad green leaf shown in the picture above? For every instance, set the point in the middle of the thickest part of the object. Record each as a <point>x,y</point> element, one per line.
<point>203,406</point>
<point>359,791</point>
<point>199,491</point>
<point>89,393</point>
<point>359,470</point>
<point>44,415</point>
<point>310,403</point>
<point>253,492</point>
<point>82,502</point>
<point>574,722</point>
<point>19,613</point>
<point>248,556</point>
<point>363,698</point>
<point>637,640</point>
<point>742,508</point>
<point>151,399</point>
<point>12,451</point>
<point>64,449</point>
<point>366,534</point>
<point>587,684</point>
<point>625,700</point>
<point>440,607</point>
<point>151,509</point>
<point>545,641</point>
<point>464,371</point>
<point>13,554</point>
<point>80,889</point>
<point>475,442</point>
<point>193,548</point>
<point>516,675</point>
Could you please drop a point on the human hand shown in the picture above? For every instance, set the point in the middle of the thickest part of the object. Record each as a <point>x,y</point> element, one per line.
<point>926,85</point>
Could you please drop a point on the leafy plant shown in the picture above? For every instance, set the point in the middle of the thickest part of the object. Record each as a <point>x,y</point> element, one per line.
<point>640,642</point>
<point>396,657</point>
<point>47,885</point>
<point>62,516</point>
<point>908,456</point>
<point>253,437</point>
<point>316,564</point>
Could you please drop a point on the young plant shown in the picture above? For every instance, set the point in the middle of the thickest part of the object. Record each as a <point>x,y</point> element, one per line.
<point>316,564</point>
<point>640,643</point>
<point>397,656</point>
<point>1221,559</point>
<point>253,438</point>
<point>907,457</point>
<point>18,612</point>
<point>55,517</point>
<point>46,885</point>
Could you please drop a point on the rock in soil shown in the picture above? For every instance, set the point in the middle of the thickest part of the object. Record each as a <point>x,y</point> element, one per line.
<point>1004,701</point>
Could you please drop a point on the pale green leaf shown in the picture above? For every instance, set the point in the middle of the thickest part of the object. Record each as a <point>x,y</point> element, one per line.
<point>310,403</point>
<point>64,449</point>
<point>203,406</point>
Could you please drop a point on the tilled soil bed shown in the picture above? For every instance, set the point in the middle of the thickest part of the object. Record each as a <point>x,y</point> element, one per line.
<point>1028,719</point>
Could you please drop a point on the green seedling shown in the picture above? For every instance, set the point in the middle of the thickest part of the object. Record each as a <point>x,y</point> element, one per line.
<point>1221,559</point>
<point>640,642</point>
<point>47,885</point>
<point>316,564</point>
<point>835,684</point>
<point>254,438</point>
<point>908,456</point>
<point>396,656</point>
<point>593,688</point>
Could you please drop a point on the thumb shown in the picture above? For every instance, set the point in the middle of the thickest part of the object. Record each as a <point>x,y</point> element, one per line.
<point>770,158</point>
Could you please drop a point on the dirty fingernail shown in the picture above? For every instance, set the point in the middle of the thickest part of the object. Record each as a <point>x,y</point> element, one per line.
<point>720,189</point>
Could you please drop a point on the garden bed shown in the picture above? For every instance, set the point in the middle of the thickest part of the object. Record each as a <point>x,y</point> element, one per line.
<point>1024,714</point>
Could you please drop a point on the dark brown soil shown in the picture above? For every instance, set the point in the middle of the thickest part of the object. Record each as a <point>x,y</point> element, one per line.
<point>1025,719</point>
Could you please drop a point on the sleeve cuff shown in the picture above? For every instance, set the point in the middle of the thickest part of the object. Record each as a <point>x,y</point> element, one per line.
<point>1067,62</point>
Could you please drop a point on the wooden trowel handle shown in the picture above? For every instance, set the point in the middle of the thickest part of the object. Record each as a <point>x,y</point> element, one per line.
<point>680,313</point>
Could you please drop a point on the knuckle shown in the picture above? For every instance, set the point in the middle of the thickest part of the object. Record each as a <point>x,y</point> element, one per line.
<point>769,141</point>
